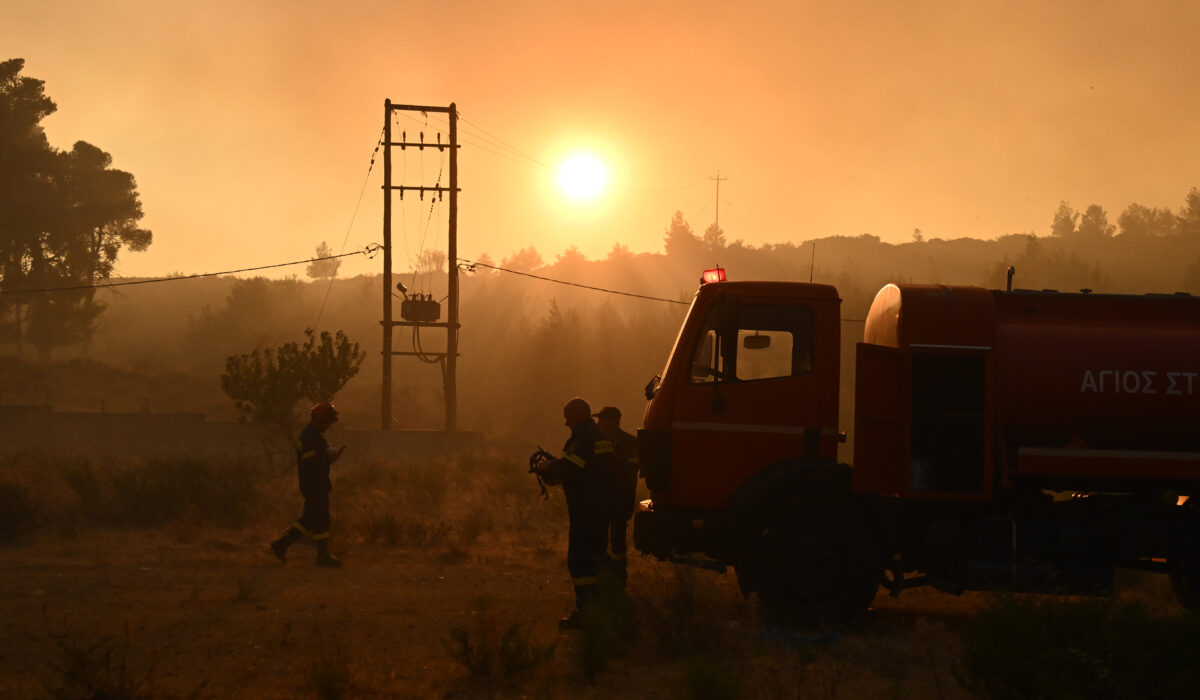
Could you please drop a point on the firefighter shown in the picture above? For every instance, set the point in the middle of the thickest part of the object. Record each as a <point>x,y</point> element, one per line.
<point>313,458</point>
<point>585,472</point>
<point>625,475</point>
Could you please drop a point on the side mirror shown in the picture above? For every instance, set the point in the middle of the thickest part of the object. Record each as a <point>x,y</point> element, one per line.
<point>652,387</point>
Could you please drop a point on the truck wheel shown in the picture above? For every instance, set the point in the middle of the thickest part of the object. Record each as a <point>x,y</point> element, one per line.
<point>1187,591</point>
<point>1186,585</point>
<point>811,560</point>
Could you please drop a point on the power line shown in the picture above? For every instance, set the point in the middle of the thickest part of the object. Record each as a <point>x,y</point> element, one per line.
<point>368,251</point>
<point>472,264</point>
<point>350,227</point>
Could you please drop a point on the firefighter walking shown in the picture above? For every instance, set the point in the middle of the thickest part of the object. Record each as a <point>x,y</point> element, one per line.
<point>313,459</point>
<point>625,475</point>
<point>585,472</point>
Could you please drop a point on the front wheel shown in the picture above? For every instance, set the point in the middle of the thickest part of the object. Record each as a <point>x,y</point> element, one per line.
<point>811,559</point>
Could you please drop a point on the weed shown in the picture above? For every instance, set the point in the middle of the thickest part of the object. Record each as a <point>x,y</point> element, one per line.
<point>385,526</point>
<point>708,677</point>
<point>97,669</point>
<point>1031,648</point>
<point>18,513</point>
<point>608,629</point>
<point>247,589</point>
<point>673,614</point>
<point>496,653</point>
<point>328,672</point>
<point>160,491</point>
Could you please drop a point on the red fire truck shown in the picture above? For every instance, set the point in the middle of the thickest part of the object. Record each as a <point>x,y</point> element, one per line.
<point>1015,440</point>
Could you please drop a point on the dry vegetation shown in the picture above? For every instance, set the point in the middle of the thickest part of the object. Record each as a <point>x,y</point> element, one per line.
<point>152,580</point>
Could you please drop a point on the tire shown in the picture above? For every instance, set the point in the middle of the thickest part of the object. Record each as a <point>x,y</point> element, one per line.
<point>1186,584</point>
<point>811,560</point>
<point>1187,591</point>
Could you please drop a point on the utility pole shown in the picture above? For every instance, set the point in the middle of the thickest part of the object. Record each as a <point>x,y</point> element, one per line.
<point>449,359</point>
<point>719,180</point>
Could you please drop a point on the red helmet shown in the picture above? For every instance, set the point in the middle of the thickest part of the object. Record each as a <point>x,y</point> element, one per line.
<point>324,411</point>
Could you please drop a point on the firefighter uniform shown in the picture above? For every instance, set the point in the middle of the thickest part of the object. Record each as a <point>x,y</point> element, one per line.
<point>625,476</point>
<point>312,464</point>
<point>585,471</point>
<point>313,459</point>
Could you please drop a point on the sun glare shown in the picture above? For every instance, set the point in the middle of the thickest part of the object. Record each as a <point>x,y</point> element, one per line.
<point>582,177</point>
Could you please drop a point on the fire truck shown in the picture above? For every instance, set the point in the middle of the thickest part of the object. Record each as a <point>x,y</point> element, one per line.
<point>1028,441</point>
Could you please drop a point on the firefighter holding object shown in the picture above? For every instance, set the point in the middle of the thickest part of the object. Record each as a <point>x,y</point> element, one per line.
<point>313,459</point>
<point>585,472</point>
<point>625,475</point>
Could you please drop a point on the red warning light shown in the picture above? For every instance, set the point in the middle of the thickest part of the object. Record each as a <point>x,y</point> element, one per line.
<point>717,274</point>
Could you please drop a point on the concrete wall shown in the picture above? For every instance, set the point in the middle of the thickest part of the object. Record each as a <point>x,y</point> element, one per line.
<point>175,435</point>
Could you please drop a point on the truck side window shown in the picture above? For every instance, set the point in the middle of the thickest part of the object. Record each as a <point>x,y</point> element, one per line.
<point>772,340</point>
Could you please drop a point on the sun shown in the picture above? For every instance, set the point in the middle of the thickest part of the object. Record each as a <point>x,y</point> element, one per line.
<point>582,177</point>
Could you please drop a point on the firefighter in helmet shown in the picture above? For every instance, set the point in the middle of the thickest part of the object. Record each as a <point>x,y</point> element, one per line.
<point>585,472</point>
<point>625,476</point>
<point>313,459</point>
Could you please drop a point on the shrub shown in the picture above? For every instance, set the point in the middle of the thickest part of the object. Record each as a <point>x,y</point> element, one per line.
<point>1056,648</point>
<point>160,491</point>
<point>328,672</point>
<point>496,653</point>
<point>608,628</point>
<point>96,669</point>
<point>18,513</point>
<point>385,526</point>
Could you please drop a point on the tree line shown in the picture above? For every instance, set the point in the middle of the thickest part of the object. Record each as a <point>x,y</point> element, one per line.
<point>527,345</point>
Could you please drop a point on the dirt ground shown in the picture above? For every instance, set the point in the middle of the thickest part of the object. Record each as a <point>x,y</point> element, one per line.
<point>215,616</point>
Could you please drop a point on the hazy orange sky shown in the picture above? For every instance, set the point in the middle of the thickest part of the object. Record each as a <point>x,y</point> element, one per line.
<point>250,125</point>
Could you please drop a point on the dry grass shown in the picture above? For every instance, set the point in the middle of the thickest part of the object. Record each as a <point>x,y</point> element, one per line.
<point>454,579</point>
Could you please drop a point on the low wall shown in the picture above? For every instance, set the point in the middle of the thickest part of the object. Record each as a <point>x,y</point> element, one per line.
<point>176,435</point>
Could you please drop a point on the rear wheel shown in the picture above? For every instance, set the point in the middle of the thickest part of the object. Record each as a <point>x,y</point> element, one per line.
<point>1186,584</point>
<point>811,560</point>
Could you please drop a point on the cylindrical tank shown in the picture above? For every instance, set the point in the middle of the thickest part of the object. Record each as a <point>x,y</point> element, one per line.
<point>1098,371</point>
<point>1092,371</point>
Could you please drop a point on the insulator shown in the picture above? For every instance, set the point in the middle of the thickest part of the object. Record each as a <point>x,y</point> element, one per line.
<point>422,146</point>
<point>403,139</point>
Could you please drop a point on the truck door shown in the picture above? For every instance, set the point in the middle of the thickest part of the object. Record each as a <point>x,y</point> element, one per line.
<point>752,398</point>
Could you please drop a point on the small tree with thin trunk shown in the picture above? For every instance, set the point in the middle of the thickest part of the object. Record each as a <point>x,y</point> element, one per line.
<point>266,385</point>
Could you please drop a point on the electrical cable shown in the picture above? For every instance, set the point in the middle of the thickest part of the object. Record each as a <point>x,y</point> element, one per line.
<point>472,264</point>
<point>350,227</point>
<point>370,250</point>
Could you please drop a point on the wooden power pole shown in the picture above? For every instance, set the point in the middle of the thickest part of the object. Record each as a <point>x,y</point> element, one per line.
<point>448,359</point>
<point>719,180</point>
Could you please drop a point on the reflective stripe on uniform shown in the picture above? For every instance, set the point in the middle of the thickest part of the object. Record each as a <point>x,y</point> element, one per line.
<point>321,536</point>
<point>616,557</point>
<point>303,530</point>
<point>575,459</point>
<point>308,454</point>
<point>584,580</point>
<point>603,447</point>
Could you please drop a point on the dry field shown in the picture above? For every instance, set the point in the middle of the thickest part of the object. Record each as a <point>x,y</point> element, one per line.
<point>453,583</point>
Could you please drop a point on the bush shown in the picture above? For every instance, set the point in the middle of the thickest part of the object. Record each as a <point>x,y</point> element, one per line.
<point>496,653</point>
<point>18,513</point>
<point>96,669</point>
<point>160,491</point>
<point>1057,648</point>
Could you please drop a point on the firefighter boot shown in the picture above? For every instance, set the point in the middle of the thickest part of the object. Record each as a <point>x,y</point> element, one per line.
<point>324,558</point>
<point>584,596</point>
<point>280,546</point>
